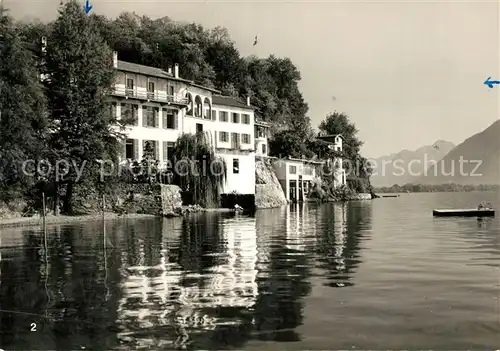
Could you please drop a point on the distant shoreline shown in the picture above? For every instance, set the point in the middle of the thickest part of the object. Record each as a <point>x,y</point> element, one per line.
<point>443,188</point>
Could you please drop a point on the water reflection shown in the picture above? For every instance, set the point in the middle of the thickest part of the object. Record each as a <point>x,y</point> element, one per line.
<point>283,283</point>
<point>343,227</point>
<point>212,281</point>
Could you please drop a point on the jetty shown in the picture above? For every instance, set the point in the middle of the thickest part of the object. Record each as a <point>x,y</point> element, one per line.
<point>464,213</point>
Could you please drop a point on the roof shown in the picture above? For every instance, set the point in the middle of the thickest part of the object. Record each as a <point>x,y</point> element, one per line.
<point>329,138</point>
<point>157,72</point>
<point>305,161</point>
<point>259,122</point>
<point>206,88</point>
<point>141,69</point>
<point>230,101</point>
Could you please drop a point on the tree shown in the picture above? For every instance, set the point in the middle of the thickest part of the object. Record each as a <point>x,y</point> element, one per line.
<point>79,66</point>
<point>339,123</point>
<point>23,122</point>
<point>197,170</point>
<point>358,177</point>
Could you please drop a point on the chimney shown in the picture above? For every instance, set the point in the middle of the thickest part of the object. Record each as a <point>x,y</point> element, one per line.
<point>169,71</point>
<point>176,70</point>
<point>248,100</point>
<point>115,59</point>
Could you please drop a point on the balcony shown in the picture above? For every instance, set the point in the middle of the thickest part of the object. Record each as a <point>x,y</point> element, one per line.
<point>156,96</point>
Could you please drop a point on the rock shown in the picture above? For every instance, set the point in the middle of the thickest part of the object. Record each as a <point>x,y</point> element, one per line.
<point>268,190</point>
<point>171,200</point>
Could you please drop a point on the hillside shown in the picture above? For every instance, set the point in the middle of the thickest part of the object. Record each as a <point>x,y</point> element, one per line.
<point>481,161</point>
<point>407,166</point>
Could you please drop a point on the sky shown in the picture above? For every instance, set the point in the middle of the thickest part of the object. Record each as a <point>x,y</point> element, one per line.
<point>407,73</point>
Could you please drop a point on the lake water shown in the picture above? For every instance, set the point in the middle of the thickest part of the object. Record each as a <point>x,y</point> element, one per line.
<point>381,274</point>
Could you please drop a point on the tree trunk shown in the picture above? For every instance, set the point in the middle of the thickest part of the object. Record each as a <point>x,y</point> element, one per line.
<point>68,203</point>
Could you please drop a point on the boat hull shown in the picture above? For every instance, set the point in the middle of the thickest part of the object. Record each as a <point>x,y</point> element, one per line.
<point>464,213</point>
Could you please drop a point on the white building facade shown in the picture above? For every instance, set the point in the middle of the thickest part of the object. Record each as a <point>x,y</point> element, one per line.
<point>161,106</point>
<point>336,143</point>
<point>296,177</point>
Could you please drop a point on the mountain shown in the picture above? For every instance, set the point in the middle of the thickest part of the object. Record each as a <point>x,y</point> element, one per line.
<point>480,159</point>
<point>407,166</point>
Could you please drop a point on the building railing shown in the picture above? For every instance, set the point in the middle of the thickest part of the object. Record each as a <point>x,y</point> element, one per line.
<point>149,95</point>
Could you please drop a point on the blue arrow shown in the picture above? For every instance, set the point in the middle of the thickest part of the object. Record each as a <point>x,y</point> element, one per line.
<point>87,7</point>
<point>490,83</point>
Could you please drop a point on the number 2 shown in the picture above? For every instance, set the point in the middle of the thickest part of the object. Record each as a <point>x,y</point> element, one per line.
<point>33,326</point>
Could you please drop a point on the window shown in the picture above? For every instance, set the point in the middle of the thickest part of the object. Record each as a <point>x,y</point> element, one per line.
<point>169,118</point>
<point>129,114</point>
<point>208,114</point>
<point>214,115</point>
<point>235,140</point>
<point>131,149</point>
<point>264,149</point>
<point>169,89</point>
<point>308,170</point>
<point>112,109</point>
<point>236,166</point>
<point>130,84</point>
<point>235,117</point>
<point>224,137</point>
<point>150,117</point>
<point>151,90</point>
<point>150,149</point>
<point>293,170</point>
<point>168,149</point>
<point>261,132</point>
<point>189,111</point>
<point>245,138</point>
<point>246,119</point>
<point>199,128</point>
<point>223,116</point>
<point>198,110</point>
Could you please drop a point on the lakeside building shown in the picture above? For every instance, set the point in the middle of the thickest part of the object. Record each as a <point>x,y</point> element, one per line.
<point>262,135</point>
<point>161,106</point>
<point>296,177</point>
<point>336,143</point>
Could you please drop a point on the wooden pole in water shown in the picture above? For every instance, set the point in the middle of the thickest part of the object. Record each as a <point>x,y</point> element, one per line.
<point>44,228</point>
<point>43,209</point>
<point>103,220</point>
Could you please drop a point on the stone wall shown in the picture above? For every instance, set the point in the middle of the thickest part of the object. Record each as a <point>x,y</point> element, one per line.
<point>268,191</point>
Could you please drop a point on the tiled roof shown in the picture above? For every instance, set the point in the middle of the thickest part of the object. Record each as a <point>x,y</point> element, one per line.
<point>230,101</point>
<point>329,138</point>
<point>156,72</point>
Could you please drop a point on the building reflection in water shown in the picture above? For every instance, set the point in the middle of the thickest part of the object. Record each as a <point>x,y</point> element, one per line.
<point>205,275</point>
<point>344,227</point>
<point>283,282</point>
<point>211,281</point>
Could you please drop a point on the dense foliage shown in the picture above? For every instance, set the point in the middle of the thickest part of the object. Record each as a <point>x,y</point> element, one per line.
<point>80,73</point>
<point>23,122</point>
